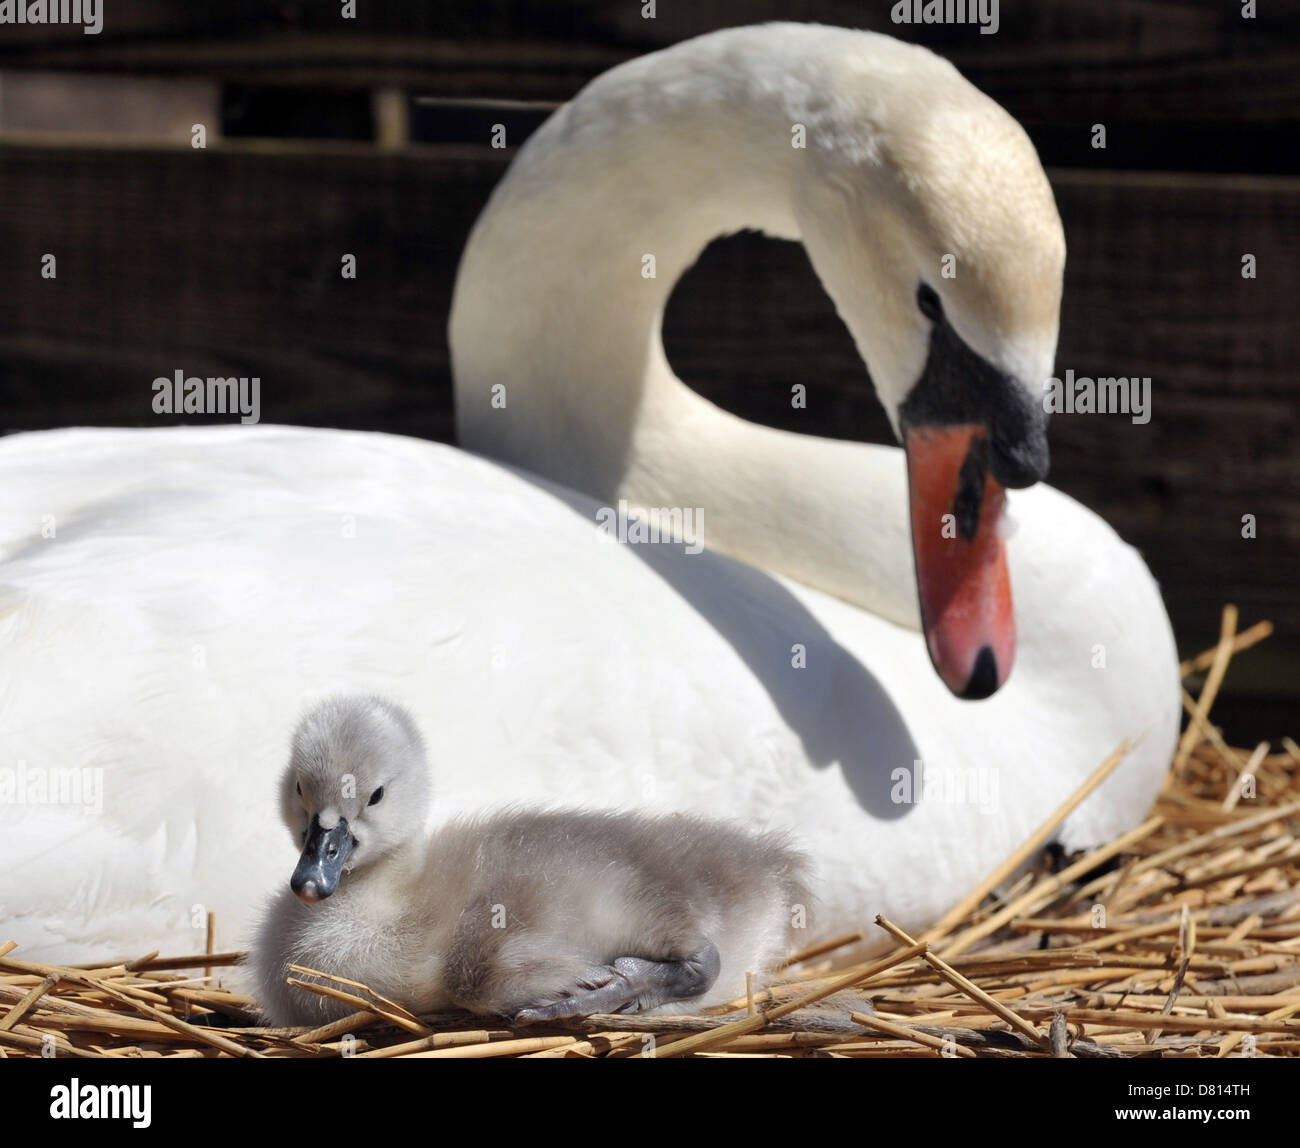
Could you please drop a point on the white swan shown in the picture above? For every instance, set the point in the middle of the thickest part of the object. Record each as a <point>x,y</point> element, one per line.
<point>528,914</point>
<point>170,599</point>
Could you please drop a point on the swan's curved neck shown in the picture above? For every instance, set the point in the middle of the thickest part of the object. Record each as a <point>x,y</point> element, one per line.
<point>563,372</point>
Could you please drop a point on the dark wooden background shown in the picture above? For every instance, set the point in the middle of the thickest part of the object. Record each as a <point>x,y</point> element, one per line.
<point>370,136</point>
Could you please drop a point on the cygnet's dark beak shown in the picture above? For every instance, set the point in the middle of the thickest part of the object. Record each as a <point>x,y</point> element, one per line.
<point>322,861</point>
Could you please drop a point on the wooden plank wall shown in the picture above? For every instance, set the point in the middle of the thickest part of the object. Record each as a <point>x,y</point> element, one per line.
<point>1052,61</point>
<point>226,260</point>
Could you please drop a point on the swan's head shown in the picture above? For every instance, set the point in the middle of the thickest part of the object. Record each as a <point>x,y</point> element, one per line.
<point>356,788</point>
<point>932,225</point>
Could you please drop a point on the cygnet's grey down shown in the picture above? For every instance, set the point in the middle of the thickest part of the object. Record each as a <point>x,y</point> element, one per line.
<point>527,914</point>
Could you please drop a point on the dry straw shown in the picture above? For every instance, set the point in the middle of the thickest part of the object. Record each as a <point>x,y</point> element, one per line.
<point>1186,945</point>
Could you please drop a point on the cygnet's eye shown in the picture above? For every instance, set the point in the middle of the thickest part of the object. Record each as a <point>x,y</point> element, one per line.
<point>298,786</point>
<point>376,797</point>
<point>927,299</point>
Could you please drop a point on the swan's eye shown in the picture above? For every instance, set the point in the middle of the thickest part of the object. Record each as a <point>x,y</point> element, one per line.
<point>927,299</point>
<point>377,796</point>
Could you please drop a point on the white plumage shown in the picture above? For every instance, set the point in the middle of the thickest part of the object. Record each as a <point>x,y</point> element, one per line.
<point>169,598</point>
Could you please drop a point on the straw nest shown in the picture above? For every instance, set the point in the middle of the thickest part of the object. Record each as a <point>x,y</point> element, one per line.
<point>1178,939</point>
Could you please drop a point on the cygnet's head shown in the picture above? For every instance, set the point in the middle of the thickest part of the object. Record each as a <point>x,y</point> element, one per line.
<point>355,789</point>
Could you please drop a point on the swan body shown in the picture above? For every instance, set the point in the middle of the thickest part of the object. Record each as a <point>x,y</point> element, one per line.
<point>203,583</point>
<point>528,914</point>
<point>168,596</point>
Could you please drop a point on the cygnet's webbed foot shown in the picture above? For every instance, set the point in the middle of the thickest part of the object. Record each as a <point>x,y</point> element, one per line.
<point>632,984</point>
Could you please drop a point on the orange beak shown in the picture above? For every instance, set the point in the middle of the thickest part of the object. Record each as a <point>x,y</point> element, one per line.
<point>961,561</point>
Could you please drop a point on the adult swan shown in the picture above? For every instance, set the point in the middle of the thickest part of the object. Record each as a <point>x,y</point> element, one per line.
<point>171,600</point>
